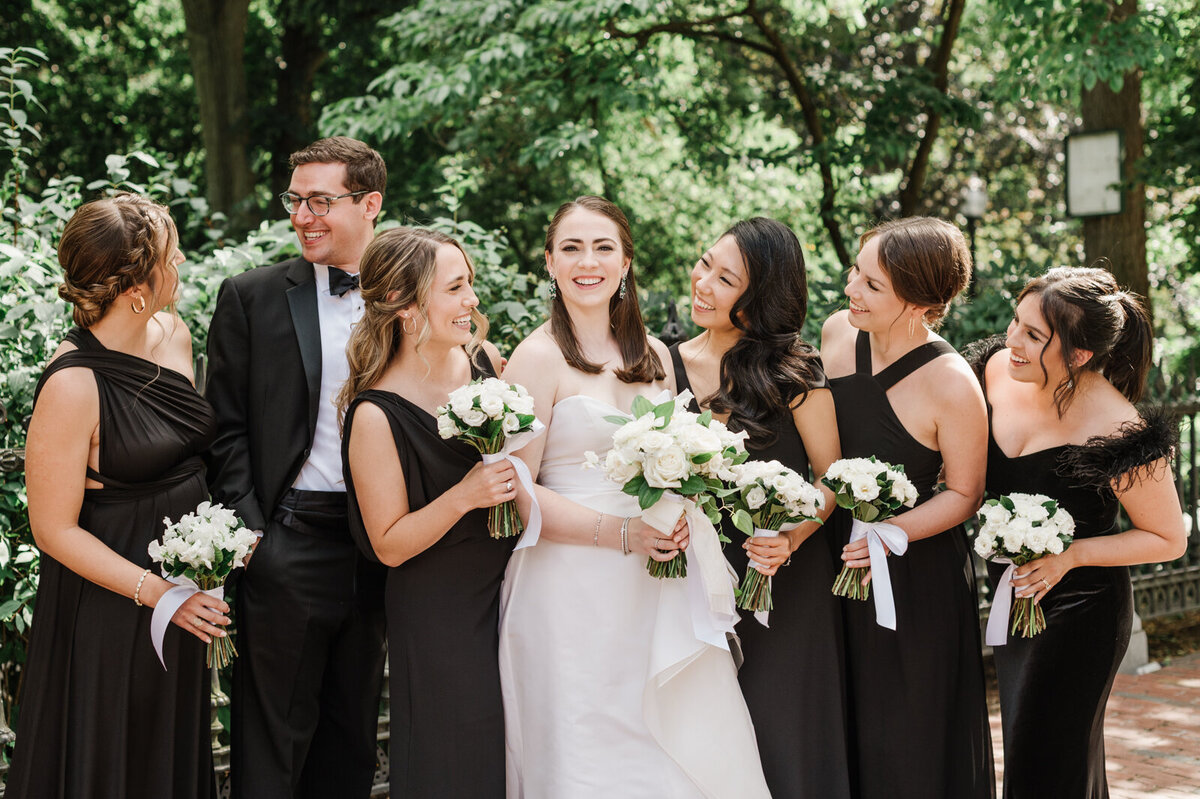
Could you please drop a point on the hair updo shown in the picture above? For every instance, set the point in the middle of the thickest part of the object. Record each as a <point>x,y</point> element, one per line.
<point>108,247</point>
<point>926,259</point>
<point>1086,309</point>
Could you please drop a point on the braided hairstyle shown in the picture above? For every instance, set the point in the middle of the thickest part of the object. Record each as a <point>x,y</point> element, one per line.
<point>1087,310</point>
<point>108,247</point>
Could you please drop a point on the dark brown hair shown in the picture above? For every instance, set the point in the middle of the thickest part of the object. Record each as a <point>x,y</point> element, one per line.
<point>770,368</point>
<point>1087,310</point>
<point>365,170</point>
<point>109,246</point>
<point>641,363</point>
<point>927,260</point>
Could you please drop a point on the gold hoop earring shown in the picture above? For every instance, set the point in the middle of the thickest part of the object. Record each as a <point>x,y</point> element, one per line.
<point>403,326</point>
<point>137,309</point>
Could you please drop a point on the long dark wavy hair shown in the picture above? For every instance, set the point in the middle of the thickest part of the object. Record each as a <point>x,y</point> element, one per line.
<point>641,363</point>
<point>1086,309</point>
<point>771,368</point>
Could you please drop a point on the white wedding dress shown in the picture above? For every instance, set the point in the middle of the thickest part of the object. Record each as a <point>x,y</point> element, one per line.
<point>607,690</point>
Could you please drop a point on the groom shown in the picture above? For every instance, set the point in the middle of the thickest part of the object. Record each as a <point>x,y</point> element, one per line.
<point>309,607</point>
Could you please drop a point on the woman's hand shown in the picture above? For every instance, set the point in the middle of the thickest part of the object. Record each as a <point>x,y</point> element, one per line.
<point>857,555</point>
<point>203,616</point>
<point>645,540</point>
<point>1036,578</point>
<point>489,484</point>
<point>771,551</point>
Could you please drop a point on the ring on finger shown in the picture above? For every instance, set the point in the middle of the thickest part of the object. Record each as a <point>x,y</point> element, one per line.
<point>508,486</point>
<point>1046,583</point>
<point>197,621</point>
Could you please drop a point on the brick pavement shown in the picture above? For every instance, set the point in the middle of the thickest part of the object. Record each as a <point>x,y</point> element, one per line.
<point>1151,733</point>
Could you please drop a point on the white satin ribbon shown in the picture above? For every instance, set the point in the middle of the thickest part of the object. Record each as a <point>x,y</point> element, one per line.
<point>713,606</point>
<point>763,616</point>
<point>169,603</point>
<point>997,627</point>
<point>533,528</point>
<point>878,534</point>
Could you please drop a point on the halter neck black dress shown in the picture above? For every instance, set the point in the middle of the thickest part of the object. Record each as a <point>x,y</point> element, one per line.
<point>1054,686</point>
<point>919,725</point>
<point>793,676</point>
<point>443,619</point>
<point>99,717</point>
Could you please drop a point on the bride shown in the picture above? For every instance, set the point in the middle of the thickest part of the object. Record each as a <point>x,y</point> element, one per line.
<point>610,686</point>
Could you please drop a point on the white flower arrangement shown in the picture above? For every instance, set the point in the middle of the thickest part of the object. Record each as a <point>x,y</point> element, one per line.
<point>766,496</point>
<point>488,414</point>
<point>202,548</point>
<point>664,448</point>
<point>1016,529</point>
<point>872,490</point>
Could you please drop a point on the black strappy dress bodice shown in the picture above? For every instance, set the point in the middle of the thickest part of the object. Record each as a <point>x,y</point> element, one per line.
<point>793,676</point>
<point>99,717</point>
<point>1054,732</point>
<point>916,695</point>
<point>443,617</point>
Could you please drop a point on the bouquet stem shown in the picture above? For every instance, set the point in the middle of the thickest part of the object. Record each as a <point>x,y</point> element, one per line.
<point>755,591</point>
<point>221,651</point>
<point>1027,618</point>
<point>675,567</point>
<point>504,521</point>
<point>849,584</point>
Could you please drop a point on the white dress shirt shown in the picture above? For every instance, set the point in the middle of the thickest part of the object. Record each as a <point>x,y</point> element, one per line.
<point>323,469</point>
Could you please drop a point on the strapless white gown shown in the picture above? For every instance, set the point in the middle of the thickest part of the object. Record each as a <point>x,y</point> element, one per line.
<point>590,711</point>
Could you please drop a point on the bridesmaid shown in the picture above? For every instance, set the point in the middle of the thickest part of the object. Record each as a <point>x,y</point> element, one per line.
<point>752,369</point>
<point>1061,391</point>
<point>916,694</point>
<point>114,446</point>
<point>416,503</point>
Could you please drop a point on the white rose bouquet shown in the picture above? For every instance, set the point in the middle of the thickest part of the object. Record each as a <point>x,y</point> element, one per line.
<point>666,448</point>
<point>872,491</point>
<point>1016,529</point>
<point>491,415</point>
<point>766,498</point>
<point>197,553</point>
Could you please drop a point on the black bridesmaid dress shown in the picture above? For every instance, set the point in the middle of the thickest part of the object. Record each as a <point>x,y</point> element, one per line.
<point>443,617</point>
<point>793,676</point>
<point>1054,686</point>
<point>919,724</point>
<point>99,717</point>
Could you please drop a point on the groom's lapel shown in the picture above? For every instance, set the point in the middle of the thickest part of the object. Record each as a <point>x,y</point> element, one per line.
<point>302,301</point>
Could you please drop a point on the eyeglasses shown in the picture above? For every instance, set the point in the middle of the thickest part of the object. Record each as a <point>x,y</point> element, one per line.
<point>318,204</point>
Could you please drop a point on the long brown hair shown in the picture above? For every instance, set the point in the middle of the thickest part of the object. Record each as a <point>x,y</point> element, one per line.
<point>640,363</point>
<point>108,247</point>
<point>926,259</point>
<point>397,269</point>
<point>1088,310</point>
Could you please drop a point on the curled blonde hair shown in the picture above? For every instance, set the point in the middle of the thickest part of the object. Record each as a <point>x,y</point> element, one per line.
<point>397,270</point>
<point>108,247</point>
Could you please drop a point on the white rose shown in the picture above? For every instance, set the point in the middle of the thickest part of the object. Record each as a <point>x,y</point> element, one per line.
<point>666,468</point>
<point>985,546</point>
<point>864,488</point>
<point>1038,539</point>
<point>696,439</point>
<point>1054,546</point>
<point>446,427</point>
<point>461,401</point>
<point>629,432</point>
<point>492,405</point>
<point>654,441</point>
<point>511,423</point>
<point>618,469</point>
<point>755,498</point>
<point>474,418</point>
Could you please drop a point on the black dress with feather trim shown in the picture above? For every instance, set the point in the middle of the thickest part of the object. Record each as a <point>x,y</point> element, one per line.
<point>99,717</point>
<point>1054,686</point>
<point>443,620</point>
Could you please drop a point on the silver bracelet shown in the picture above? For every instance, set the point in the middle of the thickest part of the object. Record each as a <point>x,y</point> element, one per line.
<point>625,536</point>
<point>596,532</point>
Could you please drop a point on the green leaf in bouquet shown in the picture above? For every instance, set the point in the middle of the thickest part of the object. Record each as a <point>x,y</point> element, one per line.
<point>526,419</point>
<point>692,486</point>
<point>869,512</point>
<point>665,411</point>
<point>641,406</point>
<point>647,495</point>
<point>740,457</point>
<point>618,420</point>
<point>1051,506</point>
<point>634,487</point>
<point>705,418</point>
<point>844,500</point>
<point>1008,504</point>
<point>703,457</point>
<point>743,522</point>
<point>718,489</point>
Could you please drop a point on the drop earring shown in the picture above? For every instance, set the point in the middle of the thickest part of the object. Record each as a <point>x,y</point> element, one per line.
<point>621,291</point>
<point>553,288</point>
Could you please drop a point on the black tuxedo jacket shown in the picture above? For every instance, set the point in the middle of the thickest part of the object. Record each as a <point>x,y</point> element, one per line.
<point>264,380</point>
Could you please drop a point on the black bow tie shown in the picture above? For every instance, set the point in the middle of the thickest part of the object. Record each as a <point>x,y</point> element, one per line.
<point>340,282</point>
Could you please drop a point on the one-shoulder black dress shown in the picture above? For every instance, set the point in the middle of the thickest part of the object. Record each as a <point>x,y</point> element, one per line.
<point>99,717</point>
<point>793,676</point>
<point>1054,686</point>
<point>919,726</point>
<point>443,617</point>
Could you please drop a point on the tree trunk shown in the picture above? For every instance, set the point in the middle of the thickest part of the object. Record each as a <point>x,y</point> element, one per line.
<point>1121,238</point>
<point>294,124</point>
<point>216,34</point>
